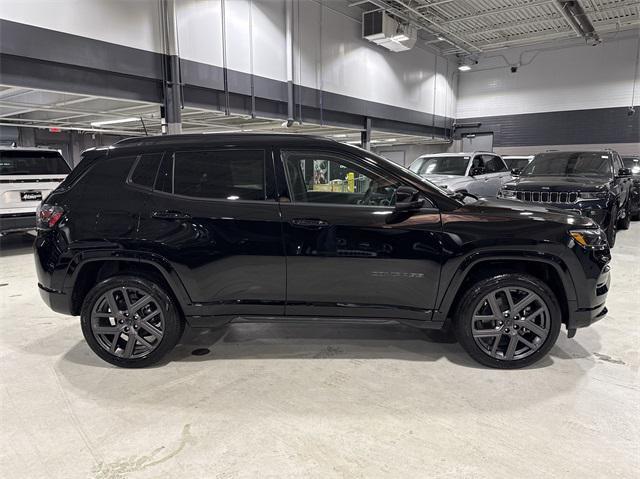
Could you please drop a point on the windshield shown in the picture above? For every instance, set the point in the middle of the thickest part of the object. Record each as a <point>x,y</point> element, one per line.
<point>441,165</point>
<point>570,164</point>
<point>32,163</point>
<point>518,163</point>
<point>633,163</point>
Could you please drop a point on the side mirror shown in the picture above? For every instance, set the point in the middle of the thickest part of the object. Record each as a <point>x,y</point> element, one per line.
<point>408,199</point>
<point>624,172</point>
<point>478,170</point>
<point>516,171</point>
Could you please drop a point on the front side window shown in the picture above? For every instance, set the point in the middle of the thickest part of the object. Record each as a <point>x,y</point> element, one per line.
<point>323,177</point>
<point>442,165</point>
<point>217,174</point>
<point>570,164</point>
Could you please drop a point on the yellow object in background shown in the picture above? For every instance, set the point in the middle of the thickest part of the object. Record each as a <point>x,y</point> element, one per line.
<point>351,182</point>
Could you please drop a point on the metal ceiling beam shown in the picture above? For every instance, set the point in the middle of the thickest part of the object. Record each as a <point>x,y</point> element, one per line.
<point>497,10</point>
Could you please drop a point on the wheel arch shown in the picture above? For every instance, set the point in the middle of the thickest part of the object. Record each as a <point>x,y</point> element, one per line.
<point>547,268</point>
<point>88,269</point>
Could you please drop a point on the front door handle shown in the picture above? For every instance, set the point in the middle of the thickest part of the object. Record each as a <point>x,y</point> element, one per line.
<point>170,215</point>
<point>309,223</point>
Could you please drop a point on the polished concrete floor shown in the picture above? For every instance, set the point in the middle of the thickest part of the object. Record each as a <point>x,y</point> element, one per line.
<point>315,401</point>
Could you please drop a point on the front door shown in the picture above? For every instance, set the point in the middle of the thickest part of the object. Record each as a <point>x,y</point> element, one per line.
<point>345,256</point>
<point>213,216</point>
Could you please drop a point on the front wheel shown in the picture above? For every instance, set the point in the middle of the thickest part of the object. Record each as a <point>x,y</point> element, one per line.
<point>130,321</point>
<point>508,321</point>
<point>624,223</point>
<point>611,227</point>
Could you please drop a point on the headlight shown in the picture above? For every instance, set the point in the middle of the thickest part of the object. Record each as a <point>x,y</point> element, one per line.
<point>593,195</point>
<point>507,193</point>
<point>592,238</point>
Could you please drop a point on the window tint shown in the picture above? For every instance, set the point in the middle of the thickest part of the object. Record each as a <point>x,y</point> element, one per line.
<point>493,164</point>
<point>319,177</point>
<point>145,170</point>
<point>231,175</point>
<point>164,179</point>
<point>570,164</point>
<point>105,175</point>
<point>20,162</point>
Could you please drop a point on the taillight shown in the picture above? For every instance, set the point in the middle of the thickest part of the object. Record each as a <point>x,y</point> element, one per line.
<point>47,216</point>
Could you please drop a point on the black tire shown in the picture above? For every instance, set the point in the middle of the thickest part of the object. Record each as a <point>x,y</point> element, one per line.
<point>170,327</point>
<point>473,299</point>
<point>624,223</point>
<point>611,228</point>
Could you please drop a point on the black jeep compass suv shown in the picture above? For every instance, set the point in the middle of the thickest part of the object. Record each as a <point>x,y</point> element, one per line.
<point>153,233</point>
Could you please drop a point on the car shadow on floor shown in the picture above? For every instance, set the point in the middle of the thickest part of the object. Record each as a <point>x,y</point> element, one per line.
<point>320,341</point>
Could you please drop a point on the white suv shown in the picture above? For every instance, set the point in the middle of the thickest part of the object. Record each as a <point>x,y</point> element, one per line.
<point>27,176</point>
<point>479,173</point>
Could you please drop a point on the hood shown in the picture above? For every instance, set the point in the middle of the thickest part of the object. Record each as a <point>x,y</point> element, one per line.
<point>559,183</point>
<point>446,180</point>
<point>502,210</point>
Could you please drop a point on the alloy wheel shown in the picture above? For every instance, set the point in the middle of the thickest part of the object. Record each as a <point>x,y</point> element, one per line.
<point>127,322</point>
<point>510,323</point>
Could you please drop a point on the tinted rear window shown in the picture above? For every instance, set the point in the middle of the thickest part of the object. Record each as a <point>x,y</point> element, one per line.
<point>231,175</point>
<point>32,163</point>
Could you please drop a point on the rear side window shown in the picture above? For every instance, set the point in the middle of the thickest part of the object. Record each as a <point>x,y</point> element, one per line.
<point>144,173</point>
<point>32,163</point>
<point>231,175</point>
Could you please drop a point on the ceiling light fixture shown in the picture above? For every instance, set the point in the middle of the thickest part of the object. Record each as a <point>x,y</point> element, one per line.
<point>113,122</point>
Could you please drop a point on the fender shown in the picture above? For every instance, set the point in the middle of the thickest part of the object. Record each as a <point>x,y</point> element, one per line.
<point>158,262</point>
<point>449,292</point>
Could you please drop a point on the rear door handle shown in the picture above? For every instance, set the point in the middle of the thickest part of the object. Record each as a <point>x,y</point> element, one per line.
<point>170,215</point>
<point>309,223</point>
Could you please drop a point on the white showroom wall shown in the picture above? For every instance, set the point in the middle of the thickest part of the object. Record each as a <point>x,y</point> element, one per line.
<point>577,77</point>
<point>329,51</point>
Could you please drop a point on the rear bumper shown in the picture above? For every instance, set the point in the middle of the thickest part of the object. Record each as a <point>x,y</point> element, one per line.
<point>16,222</point>
<point>56,300</point>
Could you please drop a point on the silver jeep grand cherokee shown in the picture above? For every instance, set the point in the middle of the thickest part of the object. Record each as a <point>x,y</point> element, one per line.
<point>479,173</point>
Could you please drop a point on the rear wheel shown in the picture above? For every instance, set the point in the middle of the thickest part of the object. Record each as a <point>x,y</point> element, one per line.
<point>130,321</point>
<point>508,321</point>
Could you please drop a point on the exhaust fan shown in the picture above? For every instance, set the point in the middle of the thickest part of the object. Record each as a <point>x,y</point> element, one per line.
<point>382,29</point>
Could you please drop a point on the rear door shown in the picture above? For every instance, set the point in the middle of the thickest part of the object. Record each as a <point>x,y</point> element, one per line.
<point>345,258</point>
<point>213,216</point>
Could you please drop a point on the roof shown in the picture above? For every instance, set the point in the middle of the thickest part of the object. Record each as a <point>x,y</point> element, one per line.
<point>461,154</point>
<point>26,148</point>
<point>196,139</point>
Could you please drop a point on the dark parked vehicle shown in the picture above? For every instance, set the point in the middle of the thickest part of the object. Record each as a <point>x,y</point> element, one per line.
<point>633,163</point>
<point>594,184</point>
<point>204,229</point>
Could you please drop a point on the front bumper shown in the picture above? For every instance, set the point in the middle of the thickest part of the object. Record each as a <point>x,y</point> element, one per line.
<point>595,309</point>
<point>17,222</point>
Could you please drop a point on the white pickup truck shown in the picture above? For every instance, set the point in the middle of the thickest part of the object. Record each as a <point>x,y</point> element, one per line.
<point>27,176</point>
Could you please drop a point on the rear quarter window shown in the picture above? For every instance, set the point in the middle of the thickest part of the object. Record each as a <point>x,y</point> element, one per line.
<point>145,170</point>
<point>104,177</point>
